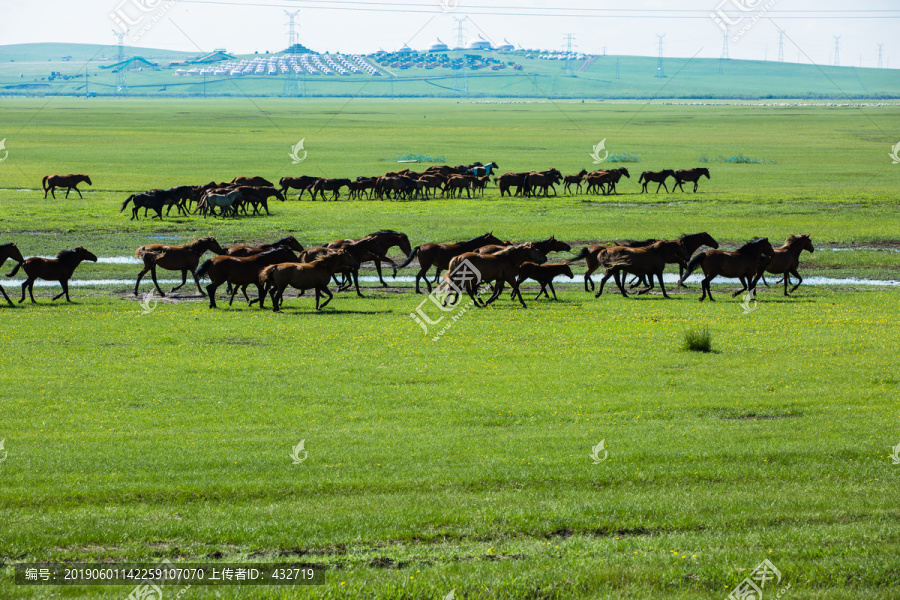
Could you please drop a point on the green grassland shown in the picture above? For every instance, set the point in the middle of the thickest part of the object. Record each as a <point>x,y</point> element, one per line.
<point>25,69</point>
<point>464,463</point>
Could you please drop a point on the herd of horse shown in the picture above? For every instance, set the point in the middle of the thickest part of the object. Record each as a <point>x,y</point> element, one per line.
<point>272,268</point>
<point>243,193</point>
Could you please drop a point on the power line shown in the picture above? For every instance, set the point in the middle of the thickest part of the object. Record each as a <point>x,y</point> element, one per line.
<point>569,38</point>
<point>121,86</point>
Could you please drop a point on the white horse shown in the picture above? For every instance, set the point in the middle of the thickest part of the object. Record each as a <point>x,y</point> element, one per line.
<point>225,201</point>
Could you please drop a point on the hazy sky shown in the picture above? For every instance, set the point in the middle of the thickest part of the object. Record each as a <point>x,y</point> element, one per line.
<point>357,26</point>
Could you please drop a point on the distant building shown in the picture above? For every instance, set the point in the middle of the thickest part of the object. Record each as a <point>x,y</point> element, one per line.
<point>217,55</point>
<point>405,50</point>
<point>135,62</point>
<point>507,47</point>
<point>479,43</point>
<point>438,46</point>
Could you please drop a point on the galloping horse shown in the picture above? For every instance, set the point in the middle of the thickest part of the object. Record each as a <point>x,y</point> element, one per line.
<point>544,274</point>
<point>656,177</point>
<point>689,244</point>
<point>382,241</point>
<point>502,268</point>
<point>746,263</point>
<point>146,200</point>
<point>240,271</point>
<point>648,260</point>
<point>10,250</point>
<point>289,242</point>
<point>693,175</point>
<point>52,269</point>
<point>303,184</point>
<point>786,259</point>
<point>70,182</point>
<point>591,254</point>
<point>363,250</point>
<point>252,182</point>
<point>306,276</point>
<point>182,258</point>
<point>440,255</point>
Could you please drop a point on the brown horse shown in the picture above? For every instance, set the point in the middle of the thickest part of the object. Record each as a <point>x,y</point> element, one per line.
<point>306,276</point>
<point>502,268</point>
<point>258,196</point>
<point>10,250</point>
<point>690,175</point>
<point>240,271</point>
<point>545,180</point>
<point>289,242</point>
<point>182,258</point>
<point>70,182</point>
<point>786,259</point>
<point>252,182</point>
<point>544,274</point>
<point>746,263</point>
<point>52,269</point>
<point>508,180</point>
<point>382,241</point>
<point>690,243</point>
<point>440,255</point>
<point>303,184</point>
<point>329,185</point>
<point>648,261</point>
<point>576,179</point>
<point>656,177</point>
<point>362,250</point>
<point>591,255</point>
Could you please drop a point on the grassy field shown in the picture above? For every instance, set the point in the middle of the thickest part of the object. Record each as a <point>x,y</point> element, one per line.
<point>465,463</point>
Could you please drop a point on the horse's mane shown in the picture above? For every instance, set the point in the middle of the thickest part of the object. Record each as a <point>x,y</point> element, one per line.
<point>750,245</point>
<point>386,232</point>
<point>67,254</point>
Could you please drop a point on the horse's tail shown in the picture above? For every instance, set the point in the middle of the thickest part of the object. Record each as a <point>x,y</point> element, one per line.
<point>44,182</point>
<point>204,268</point>
<point>15,270</point>
<point>409,259</point>
<point>585,252</point>
<point>697,261</point>
<point>267,275</point>
<point>641,179</point>
<point>124,204</point>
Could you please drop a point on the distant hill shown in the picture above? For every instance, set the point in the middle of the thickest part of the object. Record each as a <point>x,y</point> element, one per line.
<point>39,69</point>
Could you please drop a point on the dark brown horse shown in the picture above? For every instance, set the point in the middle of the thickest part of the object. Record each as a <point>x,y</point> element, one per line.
<point>570,180</point>
<point>240,271</point>
<point>306,276</point>
<point>690,243</point>
<point>52,269</point>
<point>647,261</point>
<point>329,185</point>
<point>690,175</point>
<point>544,274</point>
<point>303,184</point>
<point>440,255</point>
<point>184,258</point>
<point>10,250</point>
<point>252,182</point>
<point>656,177</point>
<point>746,264</point>
<point>289,242</point>
<point>591,255</point>
<point>508,180</point>
<point>70,182</point>
<point>786,259</point>
<point>502,268</point>
<point>543,180</point>
<point>259,196</point>
<point>363,250</point>
<point>382,241</point>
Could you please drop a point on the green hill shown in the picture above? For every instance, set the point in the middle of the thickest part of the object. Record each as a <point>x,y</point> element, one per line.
<point>31,69</point>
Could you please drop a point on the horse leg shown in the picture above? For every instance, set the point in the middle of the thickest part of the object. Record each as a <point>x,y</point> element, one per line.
<point>602,283</point>
<point>183,280</point>
<point>211,290</point>
<point>662,286</point>
<point>197,281</point>
<point>64,284</point>
<point>5,296</point>
<point>355,274</point>
<point>378,270</point>
<point>696,185</point>
<point>516,290</point>
<point>799,281</point>
<point>79,192</point>
<point>153,276</point>
<point>744,284</point>
<point>619,278</point>
<point>68,189</point>
<point>707,291</point>
<point>324,290</point>
<point>497,291</point>
<point>139,277</point>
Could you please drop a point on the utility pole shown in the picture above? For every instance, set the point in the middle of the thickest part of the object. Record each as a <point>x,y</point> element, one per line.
<point>837,50</point>
<point>660,70</point>
<point>291,88</point>
<point>121,86</point>
<point>458,84</point>
<point>569,38</point>
<point>292,31</point>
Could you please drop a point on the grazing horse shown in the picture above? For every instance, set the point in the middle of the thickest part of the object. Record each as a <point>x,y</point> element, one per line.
<point>252,182</point>
<point>656,177</point>
<point>439,255</point>
<point>145,200</point>
<point>70,182</point>
<point>182,258</point>
<point>306,276</point>
<point>576,179</point>
<point>544,274</point>
<point>52,269</point>
<point>592,255</point>
<point>693,175</point>
<point>240,271</point>
<point>289,242</point>
<point>329,185</point>
<point>382,241</point>
<point>786,259</point>
<point>690,243</point>
<point>502,268</point>
<point>10,250</point>
<point>746,263</point>
<point>648,260</point>
<point>258,196</point>
<point>303,184</point>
